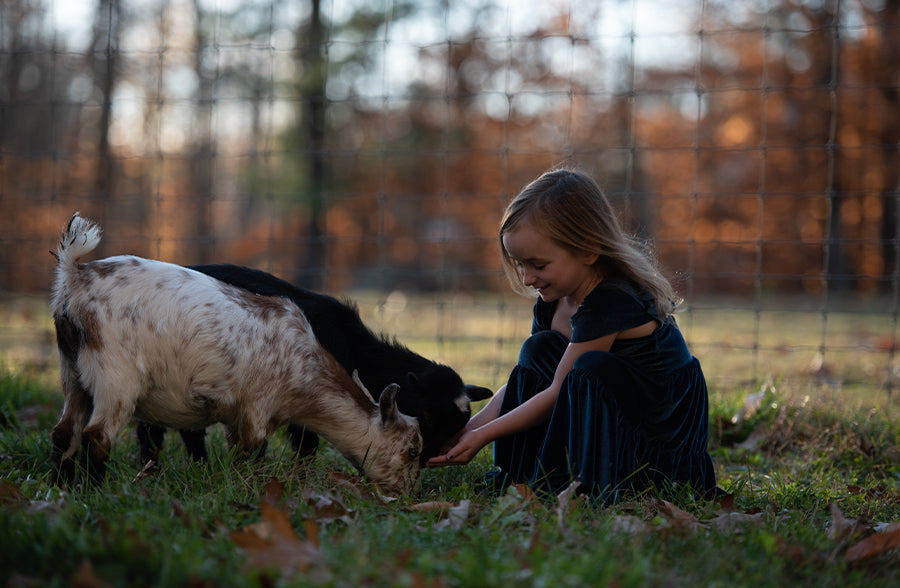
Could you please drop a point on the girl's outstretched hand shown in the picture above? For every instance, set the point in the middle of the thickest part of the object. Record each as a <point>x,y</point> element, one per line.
<point>467,445</point>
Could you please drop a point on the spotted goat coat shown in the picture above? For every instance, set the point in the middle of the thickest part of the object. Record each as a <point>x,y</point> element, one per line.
<point>168,345</point>
<point>433,393</point>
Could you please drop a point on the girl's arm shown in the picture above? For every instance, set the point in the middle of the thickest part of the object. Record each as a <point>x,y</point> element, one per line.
<point>489,412</point>
<point>484,430</point>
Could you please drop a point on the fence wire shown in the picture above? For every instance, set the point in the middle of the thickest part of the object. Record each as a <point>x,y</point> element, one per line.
<point>367,149</point>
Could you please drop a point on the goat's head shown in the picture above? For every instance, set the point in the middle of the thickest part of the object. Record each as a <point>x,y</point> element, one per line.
<point>393,458</point>
<point>441,401</point>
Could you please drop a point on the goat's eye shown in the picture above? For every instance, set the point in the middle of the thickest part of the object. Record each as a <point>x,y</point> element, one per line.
<point>414,452</point>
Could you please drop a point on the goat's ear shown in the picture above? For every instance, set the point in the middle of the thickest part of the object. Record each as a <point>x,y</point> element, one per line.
<point>355,376</point>
<point>388,405</point>
<point>478,392</point>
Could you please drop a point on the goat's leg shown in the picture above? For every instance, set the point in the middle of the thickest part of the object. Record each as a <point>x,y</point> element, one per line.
<point>194,443</point>
<point>150,440</point>
<point>66,435</point>
<point>248,439</point>
<point>113,409</point>
<point>304,441</point>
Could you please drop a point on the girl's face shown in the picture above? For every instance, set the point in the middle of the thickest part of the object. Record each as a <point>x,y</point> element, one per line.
<point>553,271</point>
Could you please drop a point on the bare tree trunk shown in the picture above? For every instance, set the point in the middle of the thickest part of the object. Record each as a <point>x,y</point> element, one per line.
<point>836,271</point>
<point>201,169</point>
<point>311,272</point>
<point>890,239</point>
<point>104,60</point>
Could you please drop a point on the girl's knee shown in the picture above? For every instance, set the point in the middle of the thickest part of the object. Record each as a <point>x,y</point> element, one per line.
<point>542,351</point>
<point>594,361</point>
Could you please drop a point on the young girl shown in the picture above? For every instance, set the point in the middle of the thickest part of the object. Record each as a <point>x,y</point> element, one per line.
<point>605,391</point>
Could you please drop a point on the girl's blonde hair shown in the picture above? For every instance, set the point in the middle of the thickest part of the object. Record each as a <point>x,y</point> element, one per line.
<point>570,208</point>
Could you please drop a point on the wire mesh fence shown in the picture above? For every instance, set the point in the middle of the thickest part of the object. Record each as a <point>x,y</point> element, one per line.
<point>367,149</point>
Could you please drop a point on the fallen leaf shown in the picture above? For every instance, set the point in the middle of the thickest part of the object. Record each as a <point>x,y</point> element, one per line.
<point>679,521</point>
<point>9,493</point>
<point>85,577</point>
<point>274,490</point>
<point>458,515</point>
<point>564,500</point>
<point>673,512</point>
<point>885,527</point>
<point>792,551</point>
<point>273,544</point>
<point>725,501</point>
<point>730,521</point>
<point>312,532</point>
<point>843,528</point>
<point>328,508</point>
<point>873,546</point>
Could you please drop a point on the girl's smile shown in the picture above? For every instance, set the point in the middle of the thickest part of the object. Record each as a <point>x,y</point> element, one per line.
<point>555,272</point>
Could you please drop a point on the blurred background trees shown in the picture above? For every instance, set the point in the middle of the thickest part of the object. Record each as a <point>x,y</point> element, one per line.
<point>374,144</point>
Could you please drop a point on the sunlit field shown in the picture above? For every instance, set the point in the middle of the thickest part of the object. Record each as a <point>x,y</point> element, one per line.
<point>801,431</point>
<point>848,356</point>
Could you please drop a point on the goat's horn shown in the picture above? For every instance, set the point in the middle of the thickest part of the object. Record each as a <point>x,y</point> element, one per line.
<point>355,376</point>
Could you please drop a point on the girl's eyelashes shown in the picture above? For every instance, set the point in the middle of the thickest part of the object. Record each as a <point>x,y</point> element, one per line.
<point>535,266</point>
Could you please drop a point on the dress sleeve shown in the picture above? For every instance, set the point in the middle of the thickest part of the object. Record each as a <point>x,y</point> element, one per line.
<point>610,308</point>
<point>543,316</point>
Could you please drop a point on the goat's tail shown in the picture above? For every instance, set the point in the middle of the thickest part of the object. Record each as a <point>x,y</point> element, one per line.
<point>80,238</point>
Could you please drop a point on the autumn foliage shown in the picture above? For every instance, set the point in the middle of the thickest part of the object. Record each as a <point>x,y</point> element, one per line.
<point>762,156</point>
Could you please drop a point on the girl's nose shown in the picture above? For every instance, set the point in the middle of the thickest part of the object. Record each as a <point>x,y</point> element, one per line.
<point>527,278</point>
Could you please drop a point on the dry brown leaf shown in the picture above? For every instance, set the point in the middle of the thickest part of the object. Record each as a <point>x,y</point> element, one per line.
<point>680,521</point>
<point>873,546</point>
<point>457,516</point>
<point>312,532</point>
<point>729,522</point>
<point>673,512</point>
<point>525,492</point>
<point>885,527</point>
<point>85,577</point>
<point>10,493</point>
<point>273,544</point>
<point>274,490</point>
<point>328,508</point>
<point>725,501</point>
<point>564,500</point>
<point>843,528</point>
<point>792,551</point>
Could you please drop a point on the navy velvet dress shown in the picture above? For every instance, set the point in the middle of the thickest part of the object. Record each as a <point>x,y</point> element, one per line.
<point>627,419</point>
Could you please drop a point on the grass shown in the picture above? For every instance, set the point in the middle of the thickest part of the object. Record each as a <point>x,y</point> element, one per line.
<point>812,469</point>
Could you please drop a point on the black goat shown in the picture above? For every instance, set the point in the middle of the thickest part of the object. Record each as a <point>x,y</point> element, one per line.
<point>432,392</point>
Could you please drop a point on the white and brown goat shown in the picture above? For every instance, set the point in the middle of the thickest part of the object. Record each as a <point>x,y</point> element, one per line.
<point>168,345</point>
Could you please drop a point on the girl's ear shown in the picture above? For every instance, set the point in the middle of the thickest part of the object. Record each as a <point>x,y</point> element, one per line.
<point>589,258</point>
